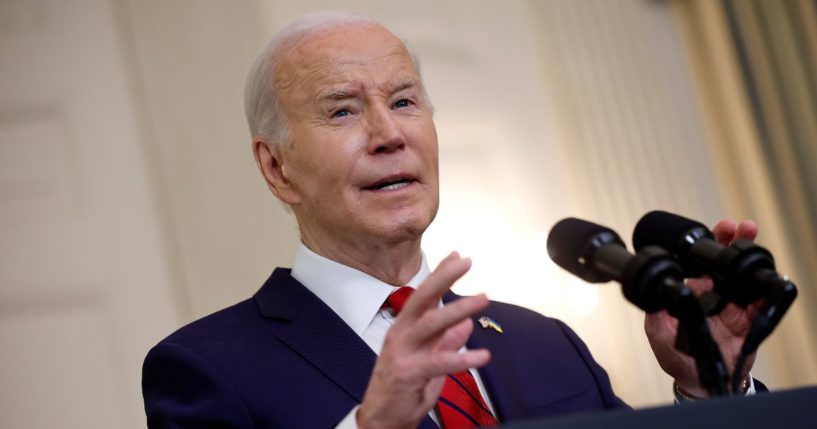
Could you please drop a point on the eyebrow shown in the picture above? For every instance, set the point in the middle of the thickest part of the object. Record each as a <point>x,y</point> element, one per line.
<point>343,93</point>
<point>405,84</point>
<point>335,94</point>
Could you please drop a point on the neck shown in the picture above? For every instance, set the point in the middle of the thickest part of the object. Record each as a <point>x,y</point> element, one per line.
<point>392,263</point>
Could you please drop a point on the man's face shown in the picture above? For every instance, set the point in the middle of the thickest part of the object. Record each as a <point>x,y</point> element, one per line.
<point>362,157</point>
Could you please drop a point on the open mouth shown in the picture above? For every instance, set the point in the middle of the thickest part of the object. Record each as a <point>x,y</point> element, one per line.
<point>390,184</point>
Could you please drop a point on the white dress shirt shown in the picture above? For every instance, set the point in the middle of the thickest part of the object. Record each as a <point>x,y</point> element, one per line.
<point>357,297</point>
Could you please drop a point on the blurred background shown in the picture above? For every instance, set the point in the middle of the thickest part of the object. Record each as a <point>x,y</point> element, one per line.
<point>130,203</point>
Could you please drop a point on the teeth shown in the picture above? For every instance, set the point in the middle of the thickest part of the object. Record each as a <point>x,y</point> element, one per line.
<point>397,185</point>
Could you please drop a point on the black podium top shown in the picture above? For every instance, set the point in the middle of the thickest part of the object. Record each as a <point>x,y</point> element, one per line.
<point>785,409</point>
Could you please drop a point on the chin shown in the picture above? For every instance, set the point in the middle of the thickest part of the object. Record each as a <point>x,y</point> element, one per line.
<point>406,228</point>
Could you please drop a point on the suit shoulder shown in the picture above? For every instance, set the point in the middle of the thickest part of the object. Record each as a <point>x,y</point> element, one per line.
<point>531,324</point>
<point>216,327</point>
<point>561,357</point>
<point>247,319</point>
<point>523,316</point>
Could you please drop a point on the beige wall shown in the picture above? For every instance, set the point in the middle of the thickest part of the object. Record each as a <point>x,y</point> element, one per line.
<point>189,64</point>
<point>544,110</point>
<point>85,279</point>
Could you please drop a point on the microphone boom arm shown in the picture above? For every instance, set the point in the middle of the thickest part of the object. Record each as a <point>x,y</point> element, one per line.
<point>653,280</point>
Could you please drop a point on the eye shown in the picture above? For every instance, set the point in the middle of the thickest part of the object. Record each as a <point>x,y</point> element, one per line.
<point>341,113</point>
<point>403,102</point>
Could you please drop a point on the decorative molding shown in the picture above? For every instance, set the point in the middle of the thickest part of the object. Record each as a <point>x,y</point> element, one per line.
<point>37,176</point>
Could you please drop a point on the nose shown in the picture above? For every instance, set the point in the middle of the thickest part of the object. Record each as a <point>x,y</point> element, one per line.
<point>385,134</point>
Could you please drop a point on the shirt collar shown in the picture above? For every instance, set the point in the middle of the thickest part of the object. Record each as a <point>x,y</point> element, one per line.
<point>353,295</point>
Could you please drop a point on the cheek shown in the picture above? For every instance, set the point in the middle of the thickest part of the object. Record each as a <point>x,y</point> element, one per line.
<point>328,153</point>
<point>330,171</point>
<point>427,135</point>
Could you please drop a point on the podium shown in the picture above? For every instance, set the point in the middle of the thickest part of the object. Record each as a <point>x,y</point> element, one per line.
<point>795,408</point>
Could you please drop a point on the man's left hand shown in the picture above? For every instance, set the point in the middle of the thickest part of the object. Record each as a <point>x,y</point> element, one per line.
<point>728,328</point>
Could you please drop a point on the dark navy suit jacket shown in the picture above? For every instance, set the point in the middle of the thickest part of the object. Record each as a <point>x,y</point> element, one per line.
<point>283,359</point>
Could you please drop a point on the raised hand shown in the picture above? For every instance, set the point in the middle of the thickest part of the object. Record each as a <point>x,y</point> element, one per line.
<point>728,328</point>
<point>420,349</point>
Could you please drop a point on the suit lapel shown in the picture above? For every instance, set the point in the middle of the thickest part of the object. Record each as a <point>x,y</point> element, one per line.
<point>319,335</point>
<point>505,397</point>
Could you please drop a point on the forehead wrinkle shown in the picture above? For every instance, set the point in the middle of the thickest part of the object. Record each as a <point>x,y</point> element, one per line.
<point>347,90</point>
<point>327,71</point>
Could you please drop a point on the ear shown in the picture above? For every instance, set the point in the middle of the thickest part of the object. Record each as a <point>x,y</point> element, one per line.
<point>270,159</point>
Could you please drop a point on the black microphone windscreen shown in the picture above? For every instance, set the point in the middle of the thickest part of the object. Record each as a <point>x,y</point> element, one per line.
<point>664,229</point>
<point>570,239</point>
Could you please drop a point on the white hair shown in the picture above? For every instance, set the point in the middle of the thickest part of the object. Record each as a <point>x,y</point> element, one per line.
<point>262,107</point>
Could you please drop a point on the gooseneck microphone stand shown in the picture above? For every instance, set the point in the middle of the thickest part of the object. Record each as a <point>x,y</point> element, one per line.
<point>777,302</point>
<point>653,281</point>
<point>743,273</point>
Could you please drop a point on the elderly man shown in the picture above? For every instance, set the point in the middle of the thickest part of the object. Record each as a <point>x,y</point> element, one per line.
<point>343,134</point>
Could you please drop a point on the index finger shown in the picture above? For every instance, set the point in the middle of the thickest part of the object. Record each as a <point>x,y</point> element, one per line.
<point>727,231</point>
<point>438,283</point>
<point>724,231</point>
<point>747,230</point>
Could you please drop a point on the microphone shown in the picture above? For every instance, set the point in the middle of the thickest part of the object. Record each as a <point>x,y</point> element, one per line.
<point>592,252</point>
<point>743,272</point>
<point>651,279</point>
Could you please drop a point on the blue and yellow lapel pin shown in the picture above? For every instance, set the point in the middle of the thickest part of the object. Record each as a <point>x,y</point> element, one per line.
<point>487,322</point>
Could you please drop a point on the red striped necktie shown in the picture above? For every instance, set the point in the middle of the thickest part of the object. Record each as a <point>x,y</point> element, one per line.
<point>460,404</point>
